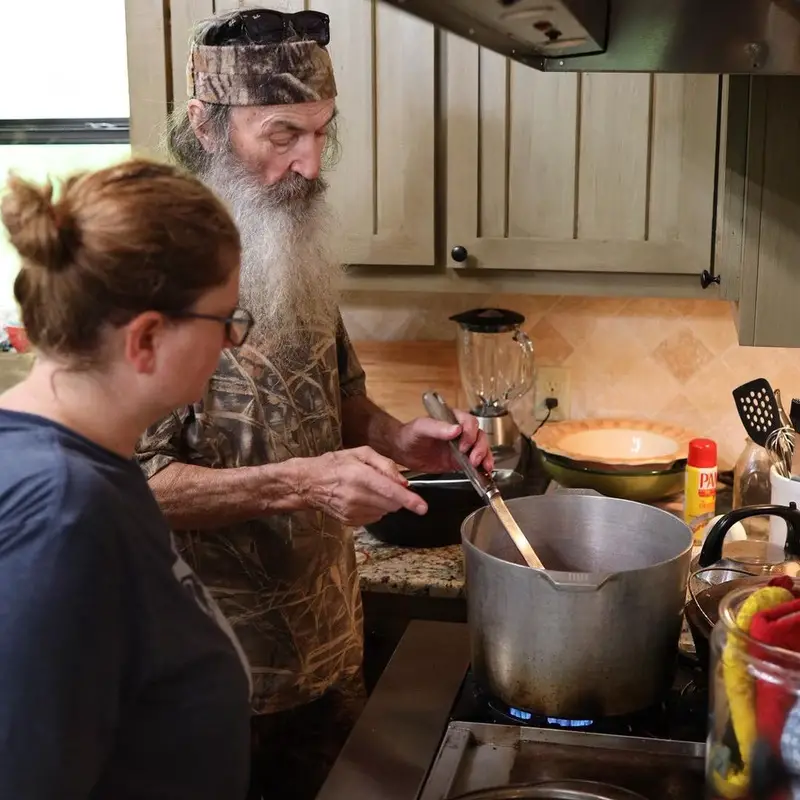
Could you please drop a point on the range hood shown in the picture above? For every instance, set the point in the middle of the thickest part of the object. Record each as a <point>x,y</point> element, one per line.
<point>685,36</point>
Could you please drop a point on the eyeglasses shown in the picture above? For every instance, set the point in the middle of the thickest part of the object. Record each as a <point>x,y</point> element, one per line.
<point>265,26</point>
<point>237,326</point>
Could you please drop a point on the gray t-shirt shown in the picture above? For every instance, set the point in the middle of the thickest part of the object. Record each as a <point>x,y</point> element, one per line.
<point>118,677</point>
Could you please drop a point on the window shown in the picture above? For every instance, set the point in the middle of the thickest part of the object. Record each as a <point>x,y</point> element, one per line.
<point>68,108</point>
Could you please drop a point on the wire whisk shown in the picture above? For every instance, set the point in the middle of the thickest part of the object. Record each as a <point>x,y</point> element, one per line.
<point>780,446</point>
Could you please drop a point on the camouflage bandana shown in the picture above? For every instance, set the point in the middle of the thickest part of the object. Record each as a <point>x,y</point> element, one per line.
<point>261,74</point>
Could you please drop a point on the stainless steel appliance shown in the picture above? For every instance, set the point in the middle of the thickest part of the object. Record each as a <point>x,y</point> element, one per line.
<point>428,733</point>
<point>496,363</point>
<point>684,36</point>
<point>597,631</point>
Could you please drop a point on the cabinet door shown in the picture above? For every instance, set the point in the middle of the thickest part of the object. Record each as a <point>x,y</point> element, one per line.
<point>599,173</point>
<point>761,194</point>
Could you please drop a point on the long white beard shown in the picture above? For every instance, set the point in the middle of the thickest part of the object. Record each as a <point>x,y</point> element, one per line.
<point>290,277</point>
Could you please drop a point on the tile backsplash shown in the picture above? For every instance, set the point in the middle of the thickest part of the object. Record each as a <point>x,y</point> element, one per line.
<point>674,360</point>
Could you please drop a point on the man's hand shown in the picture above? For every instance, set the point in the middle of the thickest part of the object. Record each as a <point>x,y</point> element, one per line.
<point>422,444</point>
<point>356,486</point>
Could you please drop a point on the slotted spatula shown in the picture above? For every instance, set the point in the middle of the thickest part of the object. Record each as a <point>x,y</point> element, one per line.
<point>758,409</point>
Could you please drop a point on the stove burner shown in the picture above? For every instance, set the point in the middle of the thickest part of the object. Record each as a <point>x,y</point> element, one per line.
<point>508,714</point>
<point>570,723</point>
<point>682,715</point>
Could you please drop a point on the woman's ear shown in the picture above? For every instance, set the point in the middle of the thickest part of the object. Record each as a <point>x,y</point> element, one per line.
<point>142,337</point>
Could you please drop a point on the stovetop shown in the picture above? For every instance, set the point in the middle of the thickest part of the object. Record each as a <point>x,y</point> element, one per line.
<point>657,754</point>
<point>682,716</point>
<point>476,756</point>
<point>429,733</point>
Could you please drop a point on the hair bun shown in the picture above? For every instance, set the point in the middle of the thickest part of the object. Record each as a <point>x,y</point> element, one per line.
<point>43,232</point>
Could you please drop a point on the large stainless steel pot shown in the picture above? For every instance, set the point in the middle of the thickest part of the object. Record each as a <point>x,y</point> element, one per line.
<point>596,634</point>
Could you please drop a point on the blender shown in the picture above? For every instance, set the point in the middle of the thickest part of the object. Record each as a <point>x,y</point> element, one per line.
<point>495,360</point>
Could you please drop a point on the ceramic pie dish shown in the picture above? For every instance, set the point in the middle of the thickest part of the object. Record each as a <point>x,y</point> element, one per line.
<point>616,444</point>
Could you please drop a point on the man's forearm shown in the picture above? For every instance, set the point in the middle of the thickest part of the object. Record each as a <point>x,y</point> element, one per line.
<point>364,423</point>
<point>194,497</point>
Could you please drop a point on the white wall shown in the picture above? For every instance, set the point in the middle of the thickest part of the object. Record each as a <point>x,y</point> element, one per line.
<point>78,69</point>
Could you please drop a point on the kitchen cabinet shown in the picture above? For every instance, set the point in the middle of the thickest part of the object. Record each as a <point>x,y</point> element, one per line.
<point>540,183</point>
<point>590,184</point>
<point>758,250</point>
<point>593,184</point>
<point>568,172</point>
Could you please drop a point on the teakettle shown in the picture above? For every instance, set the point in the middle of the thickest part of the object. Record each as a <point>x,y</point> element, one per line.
<point>749,557</point>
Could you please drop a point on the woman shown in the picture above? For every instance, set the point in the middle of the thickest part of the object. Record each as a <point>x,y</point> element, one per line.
<point>118,677</point>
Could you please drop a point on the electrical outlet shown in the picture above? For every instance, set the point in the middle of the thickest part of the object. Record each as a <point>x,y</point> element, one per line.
<point>552,382</point>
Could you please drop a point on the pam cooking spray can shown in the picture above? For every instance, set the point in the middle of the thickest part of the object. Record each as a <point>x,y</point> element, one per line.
<point>700,498</point>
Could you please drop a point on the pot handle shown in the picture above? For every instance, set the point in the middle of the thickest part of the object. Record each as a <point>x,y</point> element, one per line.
<point>525,343</point>
<point>578,581</point>
<point>526,378</point>
<point>712,547</point>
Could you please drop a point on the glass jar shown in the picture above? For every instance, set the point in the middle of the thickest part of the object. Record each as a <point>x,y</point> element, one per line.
<point>751,486</point>
<point>753,746</point>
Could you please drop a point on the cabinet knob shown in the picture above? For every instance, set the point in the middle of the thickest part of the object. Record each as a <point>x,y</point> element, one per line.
<point>459,253</point>
<point>706,279</point>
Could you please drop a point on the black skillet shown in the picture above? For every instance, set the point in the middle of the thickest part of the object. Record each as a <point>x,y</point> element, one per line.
<point>451,498</point>
<point>450,504</point>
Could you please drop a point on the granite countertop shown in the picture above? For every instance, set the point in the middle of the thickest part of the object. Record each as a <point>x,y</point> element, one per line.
<point>438,571</point>
<point>430,571</point>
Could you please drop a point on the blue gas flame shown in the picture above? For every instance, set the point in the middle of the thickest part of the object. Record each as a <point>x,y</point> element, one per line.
<point>527,716</point>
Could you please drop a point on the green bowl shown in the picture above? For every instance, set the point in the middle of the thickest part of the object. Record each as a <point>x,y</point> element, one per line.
<point>635,484</point>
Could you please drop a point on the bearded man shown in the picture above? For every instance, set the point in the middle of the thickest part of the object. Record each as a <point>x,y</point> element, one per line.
<point>262,479</point>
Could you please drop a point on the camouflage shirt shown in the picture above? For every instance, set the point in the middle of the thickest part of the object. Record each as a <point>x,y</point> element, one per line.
<point>287,583</point>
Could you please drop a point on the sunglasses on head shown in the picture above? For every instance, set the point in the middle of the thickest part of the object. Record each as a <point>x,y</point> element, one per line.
<point>265,26</point>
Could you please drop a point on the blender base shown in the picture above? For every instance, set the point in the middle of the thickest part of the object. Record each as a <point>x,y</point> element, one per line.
<point>504,438</point>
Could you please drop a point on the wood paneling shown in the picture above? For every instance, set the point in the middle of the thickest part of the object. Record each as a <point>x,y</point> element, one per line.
<point>544,132</point>
<point>492,155</point>
<point>682,169</point>
<point>614,143</point>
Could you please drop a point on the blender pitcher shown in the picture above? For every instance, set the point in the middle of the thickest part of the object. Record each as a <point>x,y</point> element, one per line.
<point>495,360</point>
